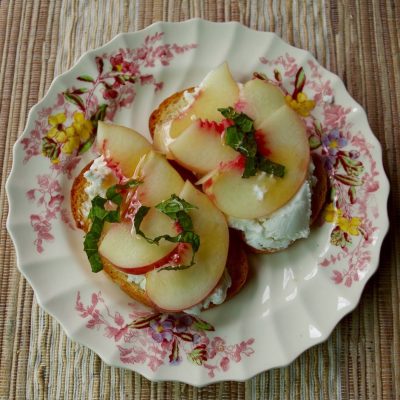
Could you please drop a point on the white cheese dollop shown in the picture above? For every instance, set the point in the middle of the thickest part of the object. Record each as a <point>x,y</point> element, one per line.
<point>289,223</point>
<point>95,178</point>
<point>140,280</point>
<point>217,296</point>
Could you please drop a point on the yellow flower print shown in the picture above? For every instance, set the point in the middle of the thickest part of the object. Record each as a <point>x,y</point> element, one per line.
<point>332,214</point>
<point>57,119</point>
<point>350,225</point>
<point>73,141</point>
<point>302,105</point>
<point>82,126</point>
<point>56,131</point>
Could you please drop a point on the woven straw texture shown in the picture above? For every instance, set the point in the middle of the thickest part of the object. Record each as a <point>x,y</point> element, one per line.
<point>358,40</point>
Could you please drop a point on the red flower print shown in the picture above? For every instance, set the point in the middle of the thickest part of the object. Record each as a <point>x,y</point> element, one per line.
<point>110,94</point>
<point>116,62</point>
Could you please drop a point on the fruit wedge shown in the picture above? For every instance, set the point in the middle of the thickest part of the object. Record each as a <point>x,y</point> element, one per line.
<point>121,145</point>
<point>218,89</point>
<point>179,290</point>
<point>200,148</point>
<point>130,252</point>
<point>260,99</point>
<point>261,195</point>
<point>160,180</point>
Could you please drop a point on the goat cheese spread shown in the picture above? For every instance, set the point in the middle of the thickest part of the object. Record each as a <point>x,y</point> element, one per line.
<point>95,178</point>
<point>289,223</point>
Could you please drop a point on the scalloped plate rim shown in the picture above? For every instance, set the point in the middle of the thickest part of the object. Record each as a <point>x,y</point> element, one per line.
<point>336,319</point>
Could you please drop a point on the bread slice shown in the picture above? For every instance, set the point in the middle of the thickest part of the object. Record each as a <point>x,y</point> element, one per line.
<point>171,107</point>
<point>167,110</point>
<point>237,263</point>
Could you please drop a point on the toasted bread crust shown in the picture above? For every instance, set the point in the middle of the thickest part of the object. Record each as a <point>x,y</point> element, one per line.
<point>166,109</point>
<point>131,289</point>
<point>237,263</point>
<point>320,190</point>
<point>78,197</point>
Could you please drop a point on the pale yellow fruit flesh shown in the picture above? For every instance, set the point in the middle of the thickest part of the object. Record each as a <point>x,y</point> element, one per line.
<point>159,180</point>
<point>201,149</point>
<point>218,89</point>
<point>260,99</point>
<point>124,248</point>
<point>122,145</point>
<point>286,138</point>
<point>179,290</point>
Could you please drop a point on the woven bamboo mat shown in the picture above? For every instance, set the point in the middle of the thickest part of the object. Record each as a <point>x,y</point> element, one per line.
<point>358,40</point>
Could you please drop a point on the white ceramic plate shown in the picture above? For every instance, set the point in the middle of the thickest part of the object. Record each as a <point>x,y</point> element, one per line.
<point>292,300</point>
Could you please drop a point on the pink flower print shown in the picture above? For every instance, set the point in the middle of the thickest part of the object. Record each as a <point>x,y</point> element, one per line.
<point>31,194</point>
<point>335,115</point>
<point>217,346</point>
<point>224,364</point>
<point>116,333</point>
<point>131,68</point>
<point>132,355</point>
<point>42,228</point>
<point>155,363</point>
<point>243,348</point>
<point>163,53</point>
<point>66,166</point>
<point>162,331</point>
<point>54,206</point>
<point>43,181</point>
<point>337,277</point>
<point>146,79</point>
<point>141,53</point>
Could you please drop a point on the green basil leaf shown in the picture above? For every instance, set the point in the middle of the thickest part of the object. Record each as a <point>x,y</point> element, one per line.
<point>99,215</point>
<point>241,137</point>
<point>139,216</point>
<point>176,209</point>
<point>174,268</point>
<point>244,122</point>
<point>173,205</point>
<point>271,167</point>
<point>91,244</point>
<point>250,168</point>
<point>228,112</point>
<point>184,220</point>
<point>233,137</point>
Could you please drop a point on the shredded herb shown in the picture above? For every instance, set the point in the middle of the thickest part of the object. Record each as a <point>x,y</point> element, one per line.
<point>176,209</point>
<point>99,215</point>
<point>241,137</point>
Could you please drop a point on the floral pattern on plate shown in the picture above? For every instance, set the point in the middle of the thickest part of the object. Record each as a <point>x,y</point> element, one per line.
<point>155,338</point>
<point>351,180</point>
<point>66,130</point>
<point>282,311</point>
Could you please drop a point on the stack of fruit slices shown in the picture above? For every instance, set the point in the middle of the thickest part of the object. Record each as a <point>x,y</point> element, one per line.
<point>129,154</point>
<point>194,137</point>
